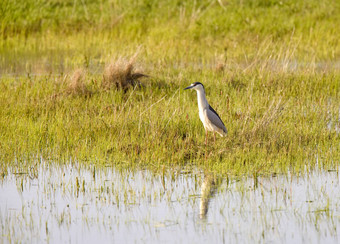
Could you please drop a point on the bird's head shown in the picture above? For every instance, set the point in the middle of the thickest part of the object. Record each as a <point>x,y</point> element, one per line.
<point>198,86</point>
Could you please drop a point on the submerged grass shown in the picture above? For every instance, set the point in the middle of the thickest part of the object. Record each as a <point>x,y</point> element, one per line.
<point>270,70</point>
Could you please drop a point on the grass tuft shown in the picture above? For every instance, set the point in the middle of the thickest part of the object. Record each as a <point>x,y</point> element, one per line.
<point>121,74</point>
<point>77,83</point>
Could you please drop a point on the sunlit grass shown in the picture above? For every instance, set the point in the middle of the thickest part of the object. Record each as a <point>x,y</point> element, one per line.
<point>270,70</point>
<point>276,122</point>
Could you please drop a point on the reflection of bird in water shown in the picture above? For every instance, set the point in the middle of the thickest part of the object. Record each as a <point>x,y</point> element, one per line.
<point>208,189</point>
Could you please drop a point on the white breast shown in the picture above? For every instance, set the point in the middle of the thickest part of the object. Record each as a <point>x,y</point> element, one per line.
<point>204,118</point>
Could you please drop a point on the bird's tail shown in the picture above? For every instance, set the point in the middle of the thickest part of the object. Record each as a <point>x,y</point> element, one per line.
<point>223,132</point>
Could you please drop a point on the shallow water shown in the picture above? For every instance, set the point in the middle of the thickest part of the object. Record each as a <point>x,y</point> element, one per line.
<point>62,204</point>
<point>59,62</point>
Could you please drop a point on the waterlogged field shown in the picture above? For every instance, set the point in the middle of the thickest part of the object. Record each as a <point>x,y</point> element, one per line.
<point>95,90</point>
<point>83,204</point>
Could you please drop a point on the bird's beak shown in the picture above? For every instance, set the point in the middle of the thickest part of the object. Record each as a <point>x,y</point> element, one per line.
<point>189,87</point>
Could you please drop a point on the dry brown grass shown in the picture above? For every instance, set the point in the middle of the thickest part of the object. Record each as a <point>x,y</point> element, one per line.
<point>121,74</point>
<point>76,84</point>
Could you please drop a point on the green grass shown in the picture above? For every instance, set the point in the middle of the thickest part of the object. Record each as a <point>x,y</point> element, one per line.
<point>270,69</point>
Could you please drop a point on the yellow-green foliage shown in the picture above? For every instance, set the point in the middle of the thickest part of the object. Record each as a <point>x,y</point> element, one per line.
<point>275,121</point>
<point>270,69</point>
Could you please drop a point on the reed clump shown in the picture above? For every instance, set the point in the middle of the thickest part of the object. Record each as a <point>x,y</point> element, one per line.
<point>121,74</point>
<point>76,85</point>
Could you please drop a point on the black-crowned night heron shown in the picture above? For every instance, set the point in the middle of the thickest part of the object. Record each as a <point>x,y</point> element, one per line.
<point>209,117</point>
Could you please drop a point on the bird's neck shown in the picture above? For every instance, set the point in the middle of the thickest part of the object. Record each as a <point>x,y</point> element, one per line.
<point>202,101</point>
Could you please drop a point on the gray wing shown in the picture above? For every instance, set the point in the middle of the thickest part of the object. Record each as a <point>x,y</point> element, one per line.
<point>215,119</point>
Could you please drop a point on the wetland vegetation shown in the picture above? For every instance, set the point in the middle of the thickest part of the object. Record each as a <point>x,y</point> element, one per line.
<point>271,70</point>
<point>97,136</point>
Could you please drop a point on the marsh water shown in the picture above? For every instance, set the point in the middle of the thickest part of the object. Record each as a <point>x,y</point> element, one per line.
<point>84,204</point>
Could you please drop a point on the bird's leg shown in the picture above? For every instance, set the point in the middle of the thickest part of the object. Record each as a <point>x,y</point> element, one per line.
<point>214,137</point>
<point>206,146</point>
